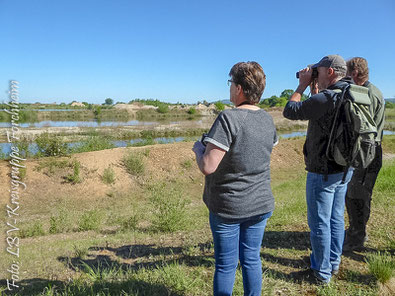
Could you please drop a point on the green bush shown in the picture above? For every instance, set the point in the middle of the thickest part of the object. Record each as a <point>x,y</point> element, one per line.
<point>134,163</point>
<point>381,266</point>
<point>130,223</point>
<point>61,222</point>
<point>36,229</point>
<point>168,208</point>
<point>90,220</point>
<point>50,145</point>
<point>219,106</point>
<point>108,176</point>
<point>94,143</point>
<point>389,105</point>
<point>163,108</point>
<point>192,110</point>
<point>23,147</point>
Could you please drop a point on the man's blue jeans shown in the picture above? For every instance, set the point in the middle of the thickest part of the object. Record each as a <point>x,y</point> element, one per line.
<point>236,240</point>
<point>325,197</point>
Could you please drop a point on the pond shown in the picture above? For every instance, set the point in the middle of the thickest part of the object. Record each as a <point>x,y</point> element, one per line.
<point>5,148</point>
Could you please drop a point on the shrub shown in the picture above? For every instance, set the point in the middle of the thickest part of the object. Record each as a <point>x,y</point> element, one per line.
<point>23,147</point>
<point>80,252</point>
<point>381,266</point>
<point>108,176</point>
<point>94,143</point>
<point>130,223</point>
<point>192,111</point>
<point>219,106</point>
<point>134,163</point>
<point>74,178</point>
<point>60,223</point>
<point>168,208</point>
<point>36,229</point>
<point>90,220</point>
<point>163,108</point>
<point>50,145</point>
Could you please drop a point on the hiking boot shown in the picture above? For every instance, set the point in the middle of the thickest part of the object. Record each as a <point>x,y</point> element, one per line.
<point>350,246</point>
<point>311,276</point>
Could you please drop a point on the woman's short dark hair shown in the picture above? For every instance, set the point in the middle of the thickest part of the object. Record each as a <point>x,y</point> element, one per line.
<point>252,79</point>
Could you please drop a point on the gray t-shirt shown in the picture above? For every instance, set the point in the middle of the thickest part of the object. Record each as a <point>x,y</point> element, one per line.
<point>240,187</point>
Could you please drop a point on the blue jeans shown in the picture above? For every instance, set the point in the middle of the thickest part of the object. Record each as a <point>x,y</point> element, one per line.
<point>236,240</point>
<point>325,198</point>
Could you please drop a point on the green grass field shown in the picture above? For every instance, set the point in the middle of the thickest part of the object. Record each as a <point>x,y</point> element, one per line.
<point>156,241</point>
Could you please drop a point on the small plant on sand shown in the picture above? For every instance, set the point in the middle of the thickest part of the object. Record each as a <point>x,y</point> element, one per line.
<point>74,178</point>
<point>108,176</point>
<point>168,207</point>
<point>134,163</point>
<point>381,266</point>
<point>187,164</point>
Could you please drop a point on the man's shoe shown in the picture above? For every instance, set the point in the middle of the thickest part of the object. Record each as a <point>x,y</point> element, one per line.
<point>350,246</point>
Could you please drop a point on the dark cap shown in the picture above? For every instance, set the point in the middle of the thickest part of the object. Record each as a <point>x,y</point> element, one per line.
<point>332,61</point>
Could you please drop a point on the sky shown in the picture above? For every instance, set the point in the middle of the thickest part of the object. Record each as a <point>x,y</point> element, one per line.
<point>182,50</point>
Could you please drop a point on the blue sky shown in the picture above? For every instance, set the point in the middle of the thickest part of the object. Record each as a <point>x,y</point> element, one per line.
<point>182,50</point>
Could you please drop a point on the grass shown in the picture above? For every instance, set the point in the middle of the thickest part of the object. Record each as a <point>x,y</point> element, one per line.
<point>168,207</point>
<point>165,245</point>
<point>51,145</point>
<point>381,266</point>
<point>94,143</point>
<point>60,222</point>
<point>90,220</point>
<point>134,163</point>
<point>74,177</point>
<point>32,230</point>
<point>108,176</point>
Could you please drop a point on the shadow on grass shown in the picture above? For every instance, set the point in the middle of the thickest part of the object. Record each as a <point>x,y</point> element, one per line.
<point>298,240</point>
<point>361,255</point>
<point>296,263</point>
<point>140,257</point>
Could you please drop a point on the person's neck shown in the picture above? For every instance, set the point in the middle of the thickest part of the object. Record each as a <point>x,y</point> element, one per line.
<point>247,105</point>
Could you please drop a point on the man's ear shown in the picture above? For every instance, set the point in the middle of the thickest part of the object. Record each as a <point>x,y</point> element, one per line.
<point>330,71</point>
<point>354,74</point>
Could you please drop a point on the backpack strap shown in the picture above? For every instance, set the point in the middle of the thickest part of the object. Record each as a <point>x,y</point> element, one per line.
<point>334,123</point>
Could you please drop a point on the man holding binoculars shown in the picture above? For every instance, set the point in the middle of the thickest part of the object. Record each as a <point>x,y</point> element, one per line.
<point>325,191</point>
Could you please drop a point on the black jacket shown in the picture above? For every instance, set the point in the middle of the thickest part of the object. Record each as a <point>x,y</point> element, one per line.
<point>319,110</point>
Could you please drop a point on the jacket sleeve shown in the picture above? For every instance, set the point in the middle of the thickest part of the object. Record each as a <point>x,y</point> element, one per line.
<point>312,108</point>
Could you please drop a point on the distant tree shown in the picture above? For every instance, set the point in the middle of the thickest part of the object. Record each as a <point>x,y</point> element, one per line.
<point>219,106</point>
<point>86,104</point>
<point>163,108</point>
<point>109,101</point>
<point>97,112</point>
<point>287,93</point>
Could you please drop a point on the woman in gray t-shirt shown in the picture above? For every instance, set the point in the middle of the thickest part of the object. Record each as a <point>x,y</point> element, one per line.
<point>236,163</point>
